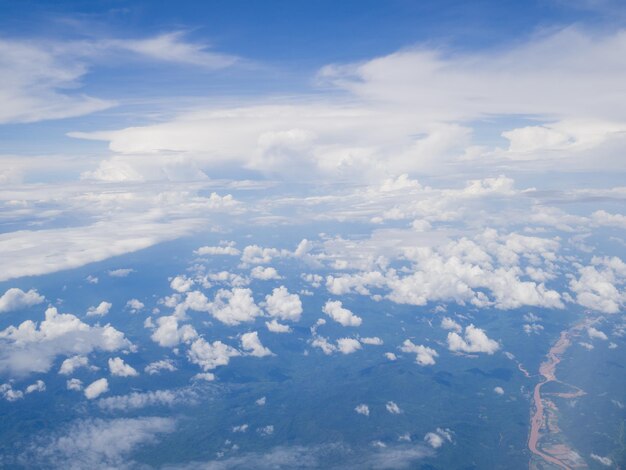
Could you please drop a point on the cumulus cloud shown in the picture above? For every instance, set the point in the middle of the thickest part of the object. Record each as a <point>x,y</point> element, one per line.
<point>17,299</point>
<point>437,438</point>
<point>498,391</point>
<point>283,305</point>
<point>74,384</point>
<point>211,355</point>
<point>335,310</point>
<point>393,408</point>
<point>119,368</point>
<point>101,310</point>
<point>33,348</point>
<point>251,343</point>
<point>134,305</point>
<point>362,409</point>
<point>235,306</point>
<point>121,272</point>
<point>276,327</point>
<point>425,356</point>
<point>374,341</point>
<point>475,340</point>
<point>228,249</point>
<point>594,333</point>
<point>38,386</point>
<point>600,285</point>
<point>448,323</point>
<point>348,345</point>
<point>158,366</point>
<point>181,283</point>
<point>264,273</point>
<point>168,333</point>
<point>69,365</point>
<point>96,388</point>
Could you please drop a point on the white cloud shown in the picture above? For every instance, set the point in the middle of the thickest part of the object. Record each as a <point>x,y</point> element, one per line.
<point>438,438</point>
<point>254,254</point>
<point>135,305</point>
<point>598,287</point>
<point>283,305</point>
<point>211,355</point>
<point>137,400</point>
<point>348,345</point>
<point>69,365</point>
<point>264,273</point>
<point>449,324</point>
<point>31,348</point>
<point>235,306</point>
<point>96,388</point>
<point>158,366</point>
<point>425,356</point>
<point>498,391</point>
<point>228,250</point>
<point>391,356</point>
<point>38,386</point>
<point>393,408</point>
<point>240,428</point>
<point>121,272</point>
<point>9,394</point>
<point>17,299</point>
<point>101,310</point>
<point>276,327</point>
<point>475,340</point>
<point>335,310</point>
<point>98,443</point>
<point>594,333</point>
<point>250,342</point>
<point>118,367</point>
<point>181,283</point>
<point>606,461</point>
<point>168,334</point>
<point>74,384</point>
<point>374,341</point>
<point>362,409</point>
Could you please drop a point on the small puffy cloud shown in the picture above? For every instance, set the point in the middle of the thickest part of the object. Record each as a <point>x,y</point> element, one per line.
<point>266,430</point>
<point>206,376</point>
<point>606,461</point>
<point>16,299</point>
<point>250,342</point>
<point>96,388</point>
<point>69,365</point>
<point>32,348</point>
<point>348,345</point>
<point>323,344</point>
<point>181,283</point>
<point>38,386</point>
<point>283,305</point>
<point>254,254</point>
<point>335,310</point>
<point>235,306</point>
<point>101,310</point>
<point>158,366</point>
<point>362,409</point>
<point>438,438</point>
<point>261,401</point>
<point>134,305</point>
<point>475,340</point>
<point>9,394</point>
<point>118,367</point>
<point>532,328</point>
<point>240,428</point>
<point>74,384</point>
<point>168,334</point>
<point>600,285</point>
<point>122,272</point>
<point>448,323</point>
<point>92,279</point>
<point>211,355</point>
<point>373,341</point>
<point>498,390</point>
<point>391,356</point>
<point>264,273</point>
<point>228,250</point>
<point>587,346</point>
<point>594,333</point>
<point>393,408</point>
<point>425,356</point>
<point>276,327</point>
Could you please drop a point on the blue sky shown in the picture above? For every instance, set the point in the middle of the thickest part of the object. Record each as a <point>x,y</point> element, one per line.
<point>239,199</point>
